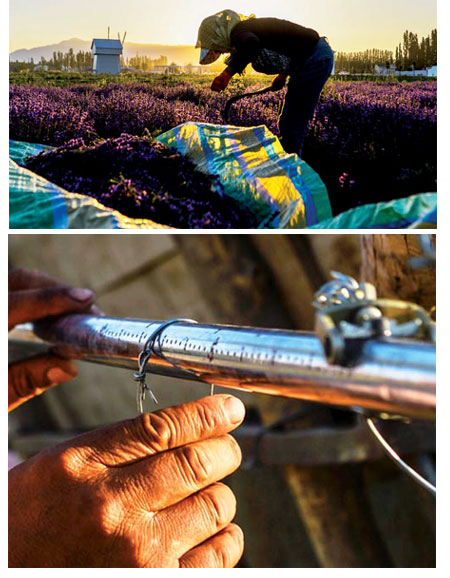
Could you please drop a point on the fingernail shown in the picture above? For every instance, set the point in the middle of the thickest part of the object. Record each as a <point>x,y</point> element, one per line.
<point>58,375</point>
<point>81,295</point>
<point>234,409</point>
<point>94,310</point>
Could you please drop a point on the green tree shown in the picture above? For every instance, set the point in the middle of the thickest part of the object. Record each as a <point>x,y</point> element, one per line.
<point>433,46</point>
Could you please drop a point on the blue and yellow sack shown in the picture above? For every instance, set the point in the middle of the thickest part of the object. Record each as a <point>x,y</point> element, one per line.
<point>281,190</point>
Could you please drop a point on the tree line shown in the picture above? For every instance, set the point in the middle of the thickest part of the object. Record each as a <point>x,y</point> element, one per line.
<point>145,63</point>
<point>80,62</point>
<point>363,62</point>
<point>411,54</point>
<point>415,55</point>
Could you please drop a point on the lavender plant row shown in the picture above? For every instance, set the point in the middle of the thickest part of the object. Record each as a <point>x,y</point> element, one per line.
<point>366,139</point>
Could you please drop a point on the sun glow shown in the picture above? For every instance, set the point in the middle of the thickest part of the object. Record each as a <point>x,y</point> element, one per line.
<point>351,25</point>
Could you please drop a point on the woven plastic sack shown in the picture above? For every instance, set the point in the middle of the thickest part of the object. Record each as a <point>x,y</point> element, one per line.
<point>415,212</point>
<point>281,190</point>
<point>35,203</point>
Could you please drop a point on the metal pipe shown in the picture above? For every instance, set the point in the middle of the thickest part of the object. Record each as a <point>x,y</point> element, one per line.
<point>234,99</point>
<point>388,376</point>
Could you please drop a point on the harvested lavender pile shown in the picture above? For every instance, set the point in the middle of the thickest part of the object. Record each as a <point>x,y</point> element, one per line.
<point>142,179</point>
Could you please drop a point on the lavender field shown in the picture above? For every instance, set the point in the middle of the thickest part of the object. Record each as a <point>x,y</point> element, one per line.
<point>368,141</point>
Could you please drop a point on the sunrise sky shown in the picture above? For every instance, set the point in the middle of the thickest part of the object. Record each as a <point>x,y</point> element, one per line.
<point>351,25</point>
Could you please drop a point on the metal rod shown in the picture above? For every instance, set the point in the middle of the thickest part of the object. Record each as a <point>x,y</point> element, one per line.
<point>234,99</point>
<point>389,376</point>
<point>398,460</point>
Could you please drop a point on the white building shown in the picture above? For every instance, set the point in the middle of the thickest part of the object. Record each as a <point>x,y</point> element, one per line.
<point>106,54</point>
<point>422,72</point>
<point>169,69</point>
<point>385,70</point>
<point>196,69</point>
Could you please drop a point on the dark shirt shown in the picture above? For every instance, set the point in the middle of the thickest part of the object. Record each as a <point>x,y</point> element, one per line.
<point>250,37</point>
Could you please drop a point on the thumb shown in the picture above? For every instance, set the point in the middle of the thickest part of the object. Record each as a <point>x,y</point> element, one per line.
<point>29,378</point>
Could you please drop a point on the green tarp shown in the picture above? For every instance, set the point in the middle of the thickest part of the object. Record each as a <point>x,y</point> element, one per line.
<point>416,212</point>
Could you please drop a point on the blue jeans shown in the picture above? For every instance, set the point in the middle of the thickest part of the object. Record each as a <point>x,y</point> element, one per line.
<point>304,88</point>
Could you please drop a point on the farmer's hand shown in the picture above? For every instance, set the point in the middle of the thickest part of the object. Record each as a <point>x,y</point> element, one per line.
<point>139,494</point>
<point>33,296</point>
<point>279,82</point>
<point>221,82</point>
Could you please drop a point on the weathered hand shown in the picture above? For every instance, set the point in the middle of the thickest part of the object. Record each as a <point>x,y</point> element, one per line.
<point>139,494</point>
<point>32,296</point>
<point>221,82</point>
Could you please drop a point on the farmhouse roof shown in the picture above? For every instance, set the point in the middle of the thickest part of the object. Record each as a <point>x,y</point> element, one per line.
<point>106,46</point>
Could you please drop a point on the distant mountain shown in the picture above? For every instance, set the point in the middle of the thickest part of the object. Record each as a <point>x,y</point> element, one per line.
<point>180,54</point>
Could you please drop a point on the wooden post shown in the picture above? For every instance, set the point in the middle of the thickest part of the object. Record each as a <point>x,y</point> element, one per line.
<point>387,264</point>
<point>409,530</point>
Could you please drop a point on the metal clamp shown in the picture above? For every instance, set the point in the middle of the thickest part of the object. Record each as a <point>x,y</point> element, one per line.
<point>144,358</point>
<point>349,312</point>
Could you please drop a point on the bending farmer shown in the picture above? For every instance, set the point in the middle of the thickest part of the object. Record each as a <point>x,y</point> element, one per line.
<point>272,46</point>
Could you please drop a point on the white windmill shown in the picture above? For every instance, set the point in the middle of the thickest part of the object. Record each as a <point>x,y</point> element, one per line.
<point>106,53</point>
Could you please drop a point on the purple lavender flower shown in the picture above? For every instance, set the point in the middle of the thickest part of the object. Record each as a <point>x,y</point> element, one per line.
<point>383,134</point>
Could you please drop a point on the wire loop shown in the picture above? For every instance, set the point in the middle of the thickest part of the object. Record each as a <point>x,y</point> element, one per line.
<point>145,356</point>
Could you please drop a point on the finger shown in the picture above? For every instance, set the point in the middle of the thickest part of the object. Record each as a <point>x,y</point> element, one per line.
<point>31,377</point>
<point>33,304</point>
<point>170,477</point>
<point>31,279</point>
<point>198,518</point>
<point>164,430</point>
<point>95,310</point>
<point>224,550</point>
<point>22,279</point>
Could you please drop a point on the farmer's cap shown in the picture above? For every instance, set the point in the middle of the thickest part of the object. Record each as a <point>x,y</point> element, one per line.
<point>209,56</point>
<point>215,33</point>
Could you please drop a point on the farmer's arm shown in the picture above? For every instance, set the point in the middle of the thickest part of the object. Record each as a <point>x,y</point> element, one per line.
<point>247,46</point>
<point>221,82</point>
<point>140,494</point>
<point>249,37</point>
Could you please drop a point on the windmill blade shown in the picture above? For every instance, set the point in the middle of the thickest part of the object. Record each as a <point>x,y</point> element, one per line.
<point>124,36</point>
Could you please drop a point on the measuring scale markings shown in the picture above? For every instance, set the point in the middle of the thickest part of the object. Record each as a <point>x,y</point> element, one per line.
<point>258,359</point>
<point>252,354</point>
<point>277,362</point>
